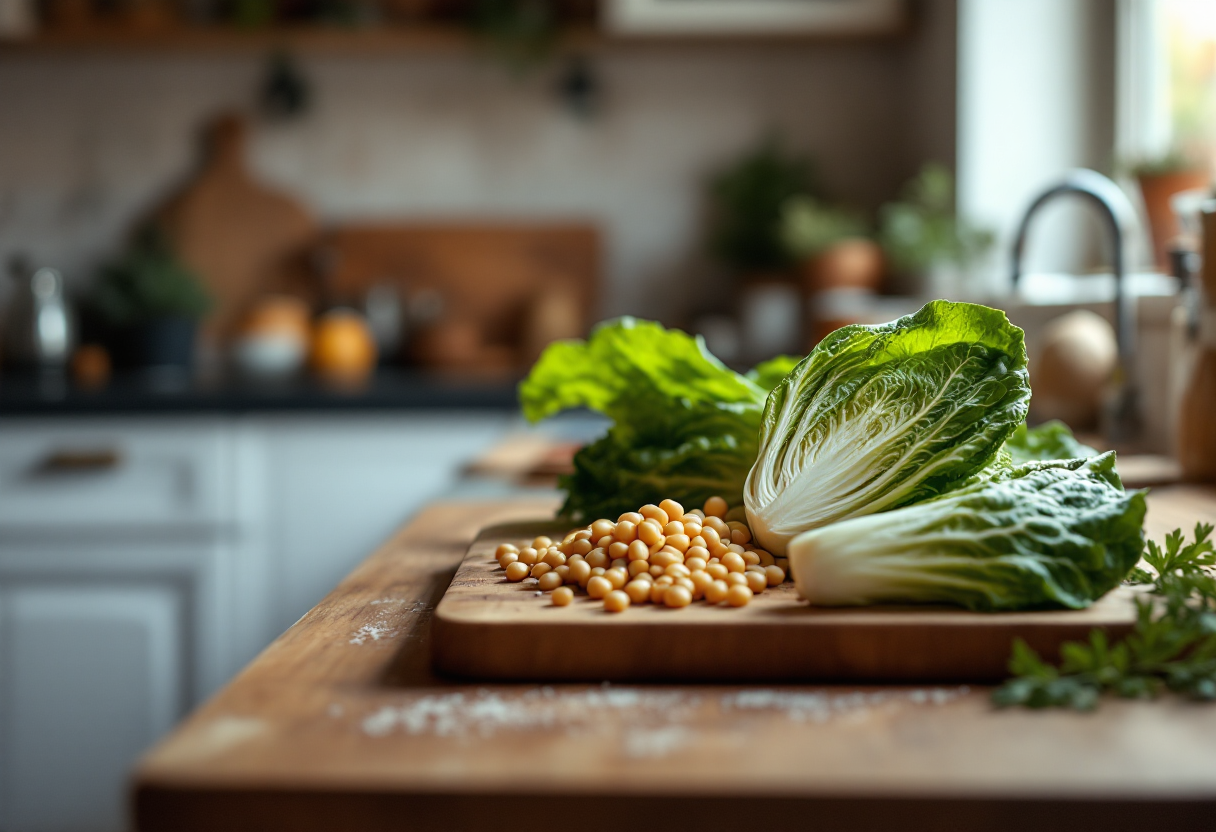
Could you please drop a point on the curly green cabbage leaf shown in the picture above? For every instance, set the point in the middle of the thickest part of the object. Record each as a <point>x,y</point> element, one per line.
<point>878,417</point>
<point>1050,534</point>
<point>1050,440</point>
<point>685,425</point>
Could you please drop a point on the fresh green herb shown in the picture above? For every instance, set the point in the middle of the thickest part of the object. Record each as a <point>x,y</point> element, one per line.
<point>878,417</point>
<point>809,226</point>
<point>685,425</point>
<point>1046,534</point>
<point>1172,647</point>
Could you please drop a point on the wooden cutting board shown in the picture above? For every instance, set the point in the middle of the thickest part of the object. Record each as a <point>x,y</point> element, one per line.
<point>488,628</point>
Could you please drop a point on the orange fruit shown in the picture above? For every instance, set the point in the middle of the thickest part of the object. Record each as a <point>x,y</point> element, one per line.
<point>342,346</point>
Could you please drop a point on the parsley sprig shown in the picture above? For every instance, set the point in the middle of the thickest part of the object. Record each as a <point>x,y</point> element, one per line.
<point>1172,646</point>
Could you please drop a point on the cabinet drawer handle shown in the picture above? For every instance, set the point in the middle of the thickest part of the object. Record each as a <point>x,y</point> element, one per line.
<point>65,460</point>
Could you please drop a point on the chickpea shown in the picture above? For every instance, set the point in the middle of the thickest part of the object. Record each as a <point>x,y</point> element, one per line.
<point>677,570</point>
<point>736,548</point>
<point>655,570</point>
<point>596,557</point>
<point>698,541</point>
<point>692,525</point>
<point>554,558</point>
<point>696,512</point>
<point>507,559</point>
<point>579,547</point>
<point>740,536</point>
<point>549,581</point>
<point>617,550</point>
<point>751,558</point>
<point>716,592</point>
<point>596,571</point>
<point>783,564</point>
<point>599,586</point>
<point>665,559</point>
<point>718,525</point>
<point>734,562</point>
<point>563,572</point>
<point>542,542</point>
<point>657,591</point>
<point>677,596</point>
<point>630,516</point>
<point>616,601</point>
<point>626,532</point>
<point>695,564</point>
<point>715,507</point>
<point>638,551</point>
<point>736,579</point>
<point>619,563</point>
<point>674,510</point>
<point>766,559</point>
<point>774,575</point>
<point>638,591</point>
<point>638,567</point>
<point>580,572</point>
<point>505,548</point>
<point>582,534</point>
<point>717,571</point>
<point>605,541</point>
<point>701,580</point>
<point>653,512</point>
<point>757,582</point>
<point>601,528</point>
<point>686,583</point>
<point>517,571</point>
<point>679,542</point>
<point>739,596</point>
<point>562,596</point>
<point>717,550</point>
<point>529,556</point>
<point>752,567</point>
<point>710,536</point>
<point>616,577</point>
<point>540,569</point>
<point>665,580</point>
<point>650,533</point>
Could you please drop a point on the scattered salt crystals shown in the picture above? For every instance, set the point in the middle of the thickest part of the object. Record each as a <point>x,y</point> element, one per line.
<point>820,706</point>
<point>659,722</point>
<point>657,742</point>
<point>385,625</point>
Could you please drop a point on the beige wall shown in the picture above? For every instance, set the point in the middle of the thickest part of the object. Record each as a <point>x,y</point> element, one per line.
<point>86,142</point>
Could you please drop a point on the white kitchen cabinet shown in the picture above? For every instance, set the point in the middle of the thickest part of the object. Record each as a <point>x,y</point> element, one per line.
<point>91,674</point>
<point>145,560</point>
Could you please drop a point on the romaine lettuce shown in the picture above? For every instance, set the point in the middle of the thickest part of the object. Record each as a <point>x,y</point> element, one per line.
<point>878,417</point>
<point>1046,534</point>
<point>685,425</point>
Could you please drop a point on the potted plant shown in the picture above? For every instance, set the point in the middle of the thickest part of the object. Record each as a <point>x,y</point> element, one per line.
<point>1159,179</point>
<point>833,246</point>
<point>925,243</point>
<point>747,200</point>
<point>151,303</point>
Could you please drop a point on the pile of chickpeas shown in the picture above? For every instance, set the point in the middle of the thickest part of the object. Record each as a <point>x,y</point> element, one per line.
<point>658,554</point>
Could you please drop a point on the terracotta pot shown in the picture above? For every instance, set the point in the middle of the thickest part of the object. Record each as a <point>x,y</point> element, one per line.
<point>1156,191</point>
<point>849,264</point>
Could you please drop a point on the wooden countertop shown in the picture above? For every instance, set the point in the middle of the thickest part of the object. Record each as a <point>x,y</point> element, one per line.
<point>341,724</point>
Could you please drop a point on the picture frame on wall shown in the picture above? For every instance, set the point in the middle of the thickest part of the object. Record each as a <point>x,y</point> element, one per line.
<point>754,17</point>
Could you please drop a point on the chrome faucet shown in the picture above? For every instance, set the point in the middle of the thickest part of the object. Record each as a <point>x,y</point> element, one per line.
<point>1121,415</point>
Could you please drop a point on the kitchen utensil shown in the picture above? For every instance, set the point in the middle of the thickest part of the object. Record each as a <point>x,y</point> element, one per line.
<point>38,328</point>
<point>487,628</point>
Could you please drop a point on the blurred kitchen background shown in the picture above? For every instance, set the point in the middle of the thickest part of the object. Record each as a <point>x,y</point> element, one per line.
<point>275,268</point>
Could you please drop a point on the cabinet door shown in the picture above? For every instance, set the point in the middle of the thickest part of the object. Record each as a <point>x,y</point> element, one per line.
<point>340,485</point>
<point>90,675</point>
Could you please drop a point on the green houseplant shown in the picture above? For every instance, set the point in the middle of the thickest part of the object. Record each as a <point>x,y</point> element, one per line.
<point>920,232</point>
<point>151,303</point>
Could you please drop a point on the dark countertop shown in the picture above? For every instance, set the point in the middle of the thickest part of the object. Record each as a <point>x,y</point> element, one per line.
<point>144,393</point>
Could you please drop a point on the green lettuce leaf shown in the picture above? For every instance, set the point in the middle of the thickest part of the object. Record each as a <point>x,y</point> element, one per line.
<point>769,374</point>
<point>1052,534</point>
<point>878,417</point>
<point>1050,440</point>
<point>685,425</point>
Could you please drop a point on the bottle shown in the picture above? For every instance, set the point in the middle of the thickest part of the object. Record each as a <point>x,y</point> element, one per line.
<point>38,325</point>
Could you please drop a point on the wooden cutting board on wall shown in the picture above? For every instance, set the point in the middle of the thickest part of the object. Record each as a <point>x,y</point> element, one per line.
<point>238,234</point>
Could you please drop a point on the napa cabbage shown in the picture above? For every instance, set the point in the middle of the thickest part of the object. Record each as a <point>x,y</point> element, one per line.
<point>878,417</point>
<point>1044,534</point>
